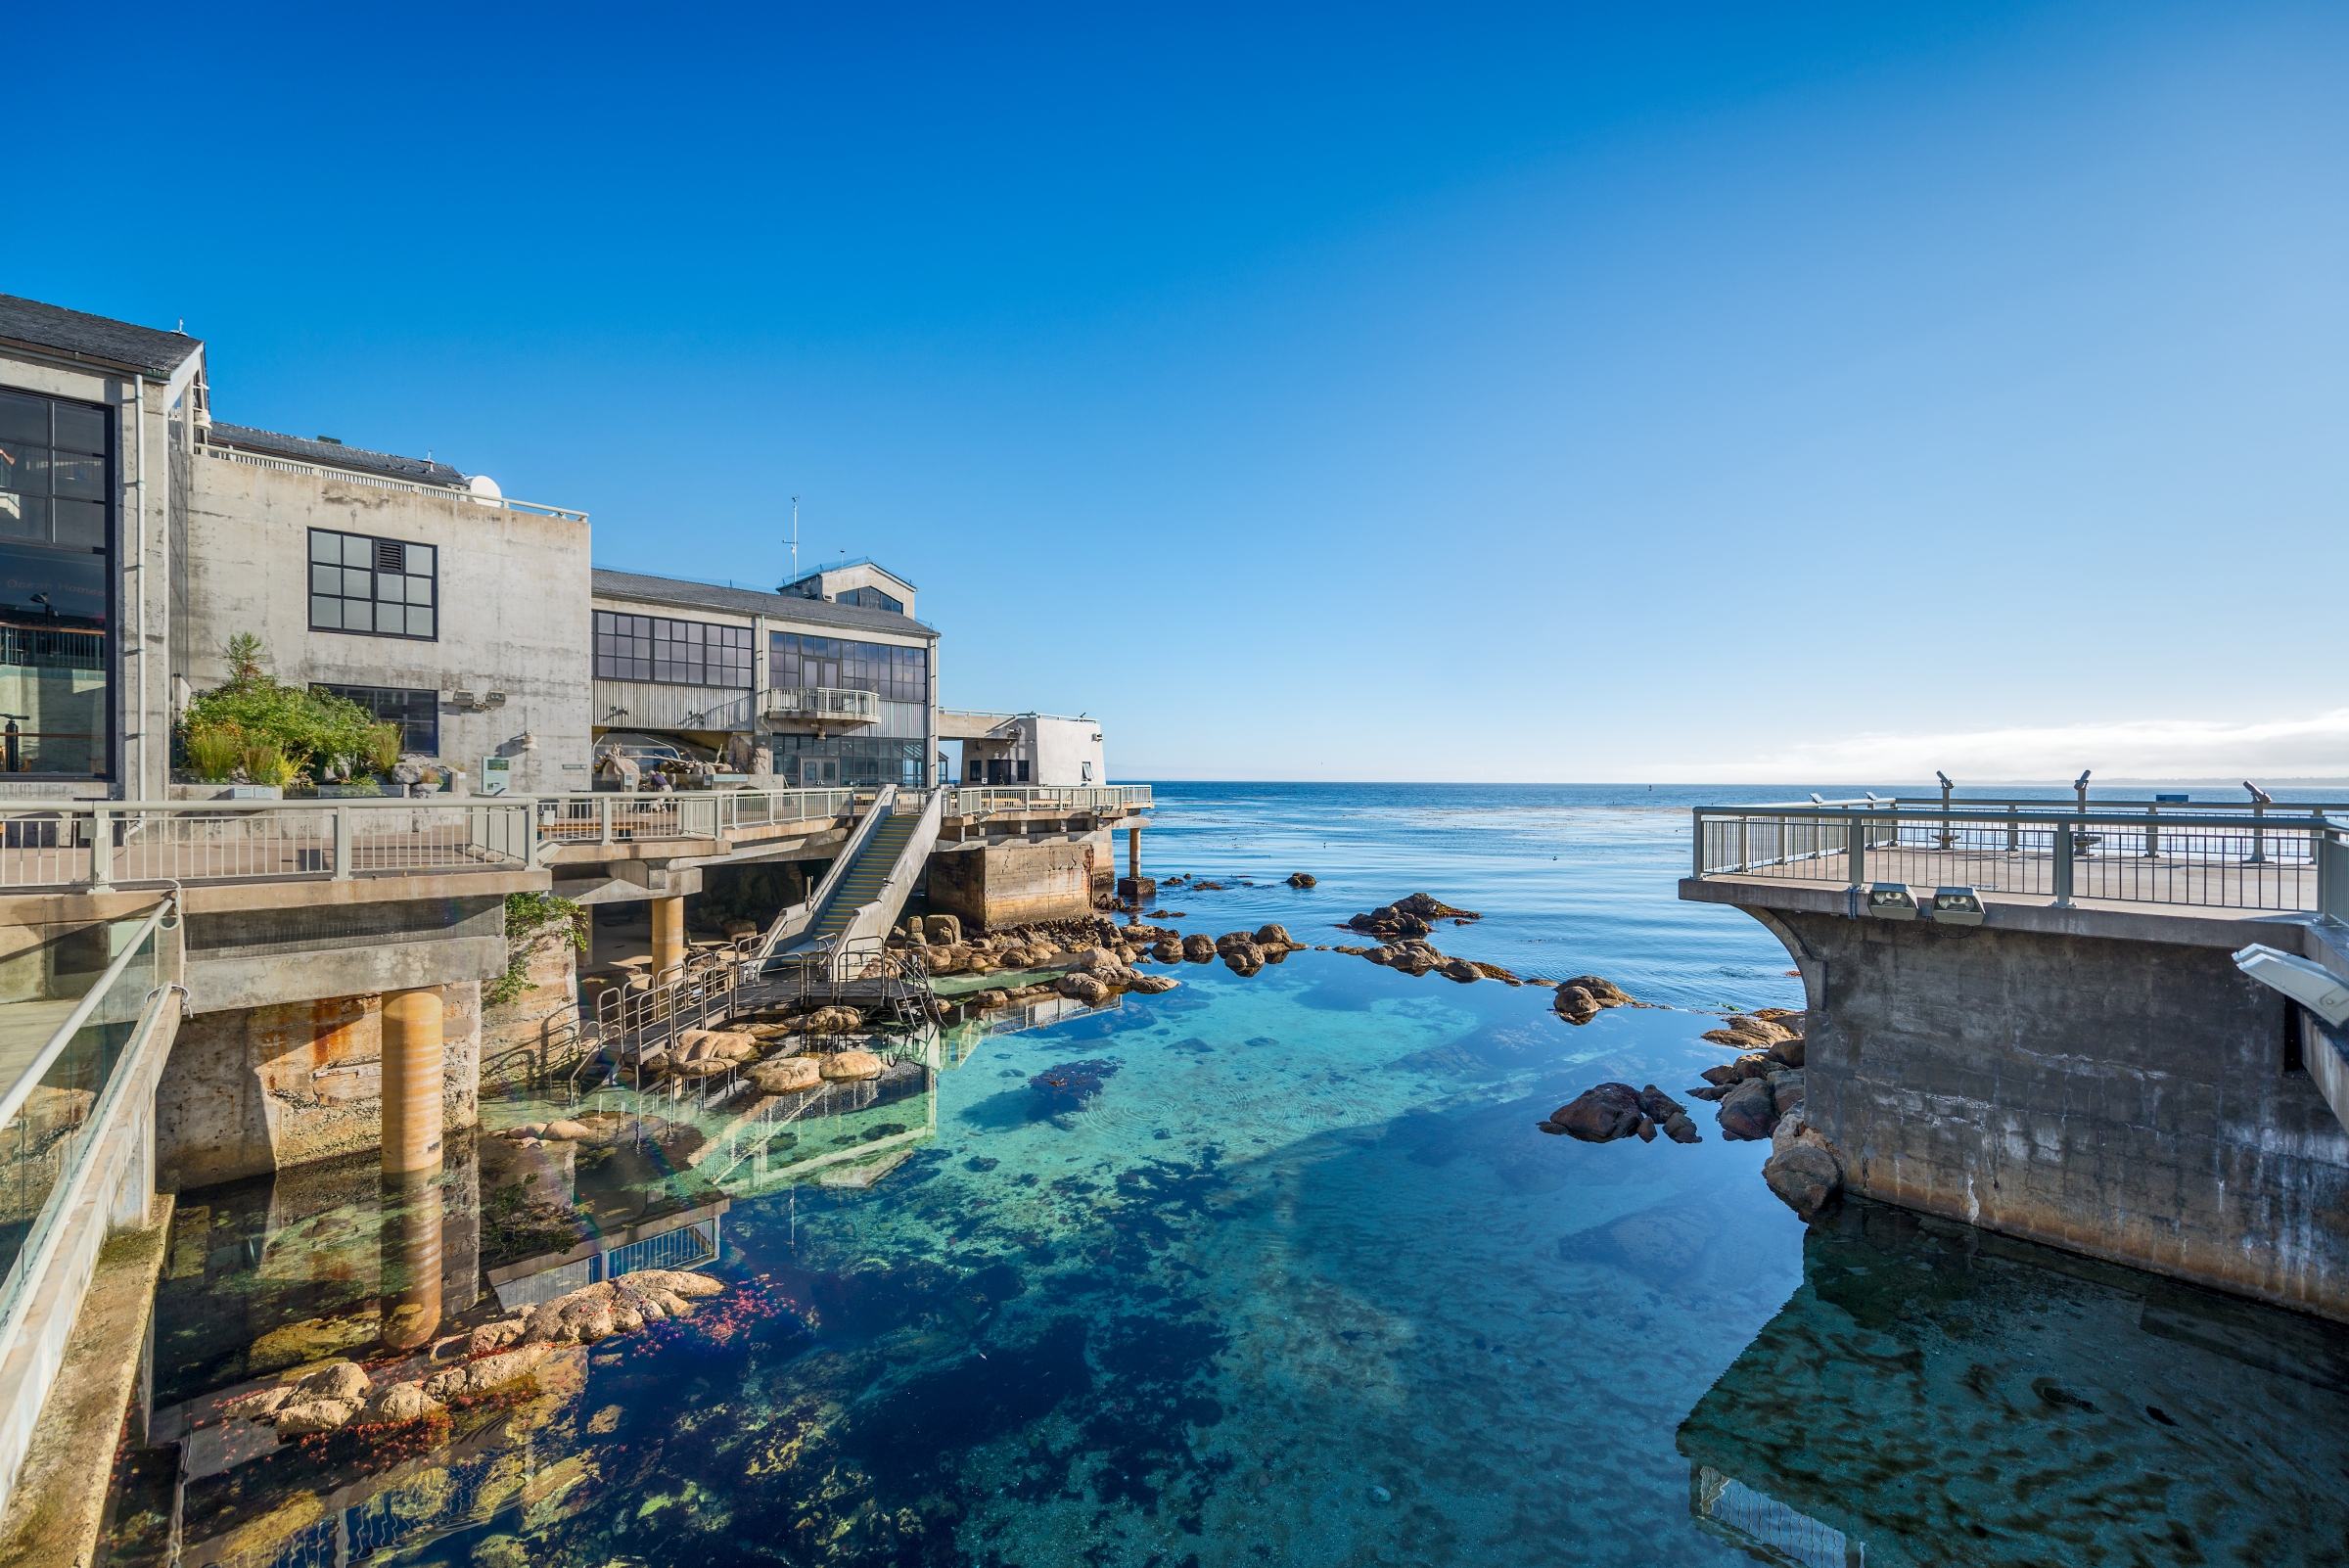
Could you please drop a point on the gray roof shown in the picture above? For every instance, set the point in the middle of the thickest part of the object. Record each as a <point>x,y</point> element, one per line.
<point>751,602</point>
<point>422,470</point>
<point>78,335</point>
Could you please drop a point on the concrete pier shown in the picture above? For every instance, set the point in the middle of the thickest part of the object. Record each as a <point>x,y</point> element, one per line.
<point>2100,1079</point>
<point>412,1077</point>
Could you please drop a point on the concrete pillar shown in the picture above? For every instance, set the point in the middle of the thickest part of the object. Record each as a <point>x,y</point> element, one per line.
<point>412,1072</point>
<point>668,932</point>
<point>1133,849</point>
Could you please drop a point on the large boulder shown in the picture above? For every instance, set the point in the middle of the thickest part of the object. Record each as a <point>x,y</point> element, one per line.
<point>1575,1004</point>
<point>1198,947</point>
<point>1805,1175</point>
<point>849,1067</point>
<point>1600,1114</point>
<point>791,1075</point>
<point>1243,958</point>
<point>1079,986</point>
<point>1681,1129</point>
<point>1460,969</point>
<point>943,928</point>
<point>1270,935</point>
<point>312,1416</point>
<point>832,1021</point>
<point>343,1380</point>
<point>1785,1090</point>
<point>1301,879</point>
<point>1749,1112</point>
<point>1789,1051</point>
<point>399,1401</point>
<point>262,1405</point>
<point>592,1323</point>
<point>1658,1106</point>
<point>1739,1070</point>
<point>1152,985</point>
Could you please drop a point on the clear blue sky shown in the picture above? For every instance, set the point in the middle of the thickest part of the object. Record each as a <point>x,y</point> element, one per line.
<point>1603,393</point>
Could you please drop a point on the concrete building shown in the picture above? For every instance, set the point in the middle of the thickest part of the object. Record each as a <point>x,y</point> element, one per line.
<point>816,690</point>
<point>1045,749</point>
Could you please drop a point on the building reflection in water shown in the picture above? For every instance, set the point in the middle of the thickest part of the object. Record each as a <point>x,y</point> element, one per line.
<point>1935,1394</point>
<point>271,1277</point>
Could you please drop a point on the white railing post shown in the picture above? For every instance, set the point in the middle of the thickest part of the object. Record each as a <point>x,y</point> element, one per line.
<point>604,802</point>
<point>343,826</point>
<point>102,849</point>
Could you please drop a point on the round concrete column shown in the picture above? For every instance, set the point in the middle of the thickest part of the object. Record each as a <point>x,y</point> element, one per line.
<point>668,932</point>
<point>412,1079</point>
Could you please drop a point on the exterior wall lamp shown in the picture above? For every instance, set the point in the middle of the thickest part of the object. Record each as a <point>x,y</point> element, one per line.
<point>1891,900</point>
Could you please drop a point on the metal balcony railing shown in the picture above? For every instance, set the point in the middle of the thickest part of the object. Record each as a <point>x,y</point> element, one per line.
<point>829,704</point>
<point>985,800</point>
<point>2267,857</point>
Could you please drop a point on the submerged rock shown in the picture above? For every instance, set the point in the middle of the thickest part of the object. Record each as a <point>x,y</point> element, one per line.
<point>399,1401</point>
<point>312,1416</point>
<point>792,1075</point>
<point>1681,1129</point>
<point>344,1381</point>
<point>1300,879</point>
<point>1658,1106</point>
<point>1068,1086</point>
<point>1804,1173</point>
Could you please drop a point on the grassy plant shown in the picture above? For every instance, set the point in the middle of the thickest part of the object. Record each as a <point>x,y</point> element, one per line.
<point>213,754</point>
<point>381,749</point>
<point>266,764</point>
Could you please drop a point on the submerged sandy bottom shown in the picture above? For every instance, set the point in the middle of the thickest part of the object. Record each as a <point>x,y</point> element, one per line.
<point>1299,1284</point>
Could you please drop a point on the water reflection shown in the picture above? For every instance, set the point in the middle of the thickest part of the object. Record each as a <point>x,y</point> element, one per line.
<point>1936,1394</point>
<point>272,1276</point>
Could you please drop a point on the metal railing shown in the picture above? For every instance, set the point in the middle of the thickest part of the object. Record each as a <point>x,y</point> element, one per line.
<point>52,1113</point>
<point>982,800</point>
<point>832,703</point>
<point>2269,856</point>
<point>385,481</point>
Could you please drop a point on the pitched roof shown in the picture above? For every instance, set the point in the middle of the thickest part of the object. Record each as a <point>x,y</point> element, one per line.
<point>752,602</point>
<point>423,469</point>
<point>78,335</point>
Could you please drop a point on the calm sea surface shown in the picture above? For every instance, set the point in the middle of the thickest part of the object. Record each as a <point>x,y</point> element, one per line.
<point>1298,1284</point>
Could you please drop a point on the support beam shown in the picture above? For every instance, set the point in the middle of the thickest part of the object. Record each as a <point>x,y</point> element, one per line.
<point>668,932</point>
<point>412,1070</point>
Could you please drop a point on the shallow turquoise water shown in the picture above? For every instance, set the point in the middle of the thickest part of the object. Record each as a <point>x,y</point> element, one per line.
<point>1300,1283</point>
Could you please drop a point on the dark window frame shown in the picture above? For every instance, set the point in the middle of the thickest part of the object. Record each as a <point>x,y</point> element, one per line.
<point>893,672</point>
<point>377,558</point>
<point>108,418</point>
<point>628,646</point>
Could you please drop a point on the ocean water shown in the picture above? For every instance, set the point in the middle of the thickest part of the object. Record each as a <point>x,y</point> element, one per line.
<point>1263,1269</point>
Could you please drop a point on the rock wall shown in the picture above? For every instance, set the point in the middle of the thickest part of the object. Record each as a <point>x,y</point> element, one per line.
<point>2128,1099</point>
<point>517,1036</point>
<point>1016,883</point>
<point>259,1088</point>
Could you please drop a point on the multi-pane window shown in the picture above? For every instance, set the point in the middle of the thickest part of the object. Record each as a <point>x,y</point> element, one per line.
<point>56,533</point>
<point>870,599</point>
<point>806,762</point>
<point>672,652</point>
<point>898,675</point>
<point>381,587</point>
<point>416,712</point>
<point>53,486</point>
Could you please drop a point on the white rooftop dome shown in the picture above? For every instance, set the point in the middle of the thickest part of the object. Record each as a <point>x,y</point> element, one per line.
<point>485,490</point>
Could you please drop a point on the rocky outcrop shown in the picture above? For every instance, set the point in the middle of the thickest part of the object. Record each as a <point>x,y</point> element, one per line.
<point>1082,988</point>
<point>398,1401</point>
<point>310,1417</point>
<point>1598,1115</point>
<point>1586,996</point>
<point>791,1075</point>
<point>1301,879</point>
<point>1154,984</point>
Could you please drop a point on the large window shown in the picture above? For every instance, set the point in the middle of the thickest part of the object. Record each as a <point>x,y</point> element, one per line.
<point>56,535</point>
<point>803,762</point>
<point>672,652</point>
<point>870,599</point>
<point>897,675</point>
<point>416,712</point>
<point>378,587</point>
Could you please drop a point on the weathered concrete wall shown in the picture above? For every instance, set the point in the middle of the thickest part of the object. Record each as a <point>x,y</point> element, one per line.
<point>1011,884</point>
<point>513,591</point>
<point>517,1034</point>
<point>255,1090</point>
<point>2124,1098</point>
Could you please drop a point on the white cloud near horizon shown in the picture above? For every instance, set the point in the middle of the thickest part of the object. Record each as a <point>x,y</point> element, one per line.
<point>2315,747</point>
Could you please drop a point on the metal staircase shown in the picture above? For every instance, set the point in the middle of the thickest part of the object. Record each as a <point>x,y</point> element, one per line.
<point>866,889</point>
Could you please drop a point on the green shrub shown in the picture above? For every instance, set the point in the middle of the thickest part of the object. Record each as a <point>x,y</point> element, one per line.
<point>257,714</point>
<point>213,754</point>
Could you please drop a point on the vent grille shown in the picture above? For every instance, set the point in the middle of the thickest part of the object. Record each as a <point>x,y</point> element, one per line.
<point>390,557</point>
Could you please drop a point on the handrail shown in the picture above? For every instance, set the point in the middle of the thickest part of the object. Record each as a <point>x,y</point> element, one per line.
<point>882,808</point>
<point>30,1079</point>
<point>227,454</point>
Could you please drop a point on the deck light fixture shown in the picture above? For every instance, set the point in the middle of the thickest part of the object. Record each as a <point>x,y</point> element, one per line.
<point>2311,985</point>
<point>1958,907</point>
<point>1891,900</point>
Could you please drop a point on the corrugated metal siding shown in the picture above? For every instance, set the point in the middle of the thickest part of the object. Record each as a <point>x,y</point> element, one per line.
<point>655,707</point>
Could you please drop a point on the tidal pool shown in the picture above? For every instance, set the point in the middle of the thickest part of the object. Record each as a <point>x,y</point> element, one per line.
<point>1263,1269</point>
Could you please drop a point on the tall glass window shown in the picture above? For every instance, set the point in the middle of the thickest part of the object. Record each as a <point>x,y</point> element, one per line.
<point>56,537</point>
<point>897,674</point>
<point>381,587</point>
<point>416,712</point>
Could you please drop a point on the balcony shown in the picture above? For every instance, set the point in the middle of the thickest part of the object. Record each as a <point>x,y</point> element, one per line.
<point>823,705</point>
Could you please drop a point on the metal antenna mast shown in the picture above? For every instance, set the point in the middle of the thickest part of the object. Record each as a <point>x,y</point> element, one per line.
<point>794,539</point>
